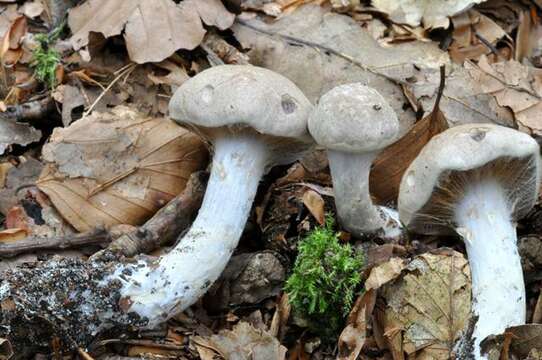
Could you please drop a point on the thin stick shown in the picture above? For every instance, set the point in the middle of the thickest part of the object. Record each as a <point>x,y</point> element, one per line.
<point>30,244</point>
<point>120,72</point>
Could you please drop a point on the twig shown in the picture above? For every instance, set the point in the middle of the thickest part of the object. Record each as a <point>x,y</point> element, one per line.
<point>166,224</point>
<point>31,110</point>
<point>320,47</point>
<point>226,52</point>
<point>30,244</point>
<point>484,41</point>
<point>120,73</point>
<point>84,354</point>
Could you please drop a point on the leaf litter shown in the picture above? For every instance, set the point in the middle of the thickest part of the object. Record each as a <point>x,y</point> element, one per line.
<point>136,53</point>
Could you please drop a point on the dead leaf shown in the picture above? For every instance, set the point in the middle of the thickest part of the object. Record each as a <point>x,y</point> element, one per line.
<point>335,50</point>
<point>12,235</point>
<point>117,167</point>
<point>32,9</point>
<point>25,173</point>
<point>71,99</point>
<point>212,12</point>
<point>469,28</point>
<point>384,273</point>
<point>390,165</point>
<point>280,317</point>
<point>354,335</point>
<point>519,341</point>
<point>432,13</point>
<point>153,30</point>
<point>13,133</point>
<point>514,86</point>
<point>428,306</point>
<point>176,77</point>
<point>315,203</point>
<point>243,342</point>
<point>11,50</point>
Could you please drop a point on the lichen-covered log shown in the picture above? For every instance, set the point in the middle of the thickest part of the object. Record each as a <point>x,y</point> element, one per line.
<point>66,298</point>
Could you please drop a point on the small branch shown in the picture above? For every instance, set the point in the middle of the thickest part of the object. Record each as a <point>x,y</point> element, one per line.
<point>214,45</point>
<point>166,225</point>
<point>30,244</point>
<point>32,110</point>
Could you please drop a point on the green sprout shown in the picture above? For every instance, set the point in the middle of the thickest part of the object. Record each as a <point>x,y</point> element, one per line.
<point>45,58</point>
<point>325,280</point>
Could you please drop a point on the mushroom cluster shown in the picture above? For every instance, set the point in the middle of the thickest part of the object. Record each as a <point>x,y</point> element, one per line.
<point>473,180</point>
<point>477,180</point>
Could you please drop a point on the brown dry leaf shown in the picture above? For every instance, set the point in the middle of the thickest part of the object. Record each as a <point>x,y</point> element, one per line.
<point>4,168</point>
<point>432,13</point>
<point>153,30</point>
<point>12,133</point>
<point>354,335</point>
<point>464,100</point>
<point>8,15</point>
<point>384,273</point>
<point>25,173</point>
<point>428,306</point>
<point>71,98</point>
<point>390,165</point>
<point>280,317</point>
<point>469,27</point>
<point>335,50</point>
<point>514,86</point>
<point>12,51</point>
<point>118,167</point>
<point>315,203</point>
<point>243,342</point>
<point>12,235</point>
<point>176,77</point>
<point>519,341</point>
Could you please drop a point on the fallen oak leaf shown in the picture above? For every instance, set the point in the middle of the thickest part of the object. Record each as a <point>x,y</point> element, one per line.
<point>243,342</point>
<point>12,133</point>
<point>149,161</point>
<point>391,164</point>
<point>354,335</point>
<point>315,204</point>
<point>153,30</point>
<point>428,306</point>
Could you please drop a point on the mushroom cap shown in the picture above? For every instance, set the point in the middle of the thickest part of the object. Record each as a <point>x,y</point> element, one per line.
<point>239,97</point>
<point>353,118</point>
<point>436,179</point>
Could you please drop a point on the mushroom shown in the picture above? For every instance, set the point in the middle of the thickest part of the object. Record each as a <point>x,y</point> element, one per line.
<point>354,123</point>
<point>254,118</point>
<point>476,180</point>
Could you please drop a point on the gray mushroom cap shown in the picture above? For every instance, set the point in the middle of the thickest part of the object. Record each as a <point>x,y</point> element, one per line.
<point>436,179</point>
<point>353,118</point>
<point>237,97</point>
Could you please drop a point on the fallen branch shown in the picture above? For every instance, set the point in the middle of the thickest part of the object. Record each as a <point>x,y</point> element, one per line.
<point>164,227</point>
<point>30,244</point>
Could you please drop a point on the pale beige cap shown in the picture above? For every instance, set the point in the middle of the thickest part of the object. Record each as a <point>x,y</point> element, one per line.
<point>353,118</point>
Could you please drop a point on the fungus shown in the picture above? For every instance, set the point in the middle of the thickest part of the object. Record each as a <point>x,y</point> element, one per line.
<point>254,119</point>
<point>476,180</point>
<point>354,123</point>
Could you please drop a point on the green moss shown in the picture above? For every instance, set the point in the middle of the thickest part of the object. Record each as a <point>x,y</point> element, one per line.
<point>324,281</point>
<point>45,59</point>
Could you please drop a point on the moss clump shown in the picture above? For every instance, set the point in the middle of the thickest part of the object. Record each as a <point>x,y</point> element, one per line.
<point>324,280</point>
<point>45,59</point>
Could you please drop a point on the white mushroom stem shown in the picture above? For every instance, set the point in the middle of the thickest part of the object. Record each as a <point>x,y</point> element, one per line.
<point>484,220</point>
<point>355,208</point>
<point>178,279</point>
